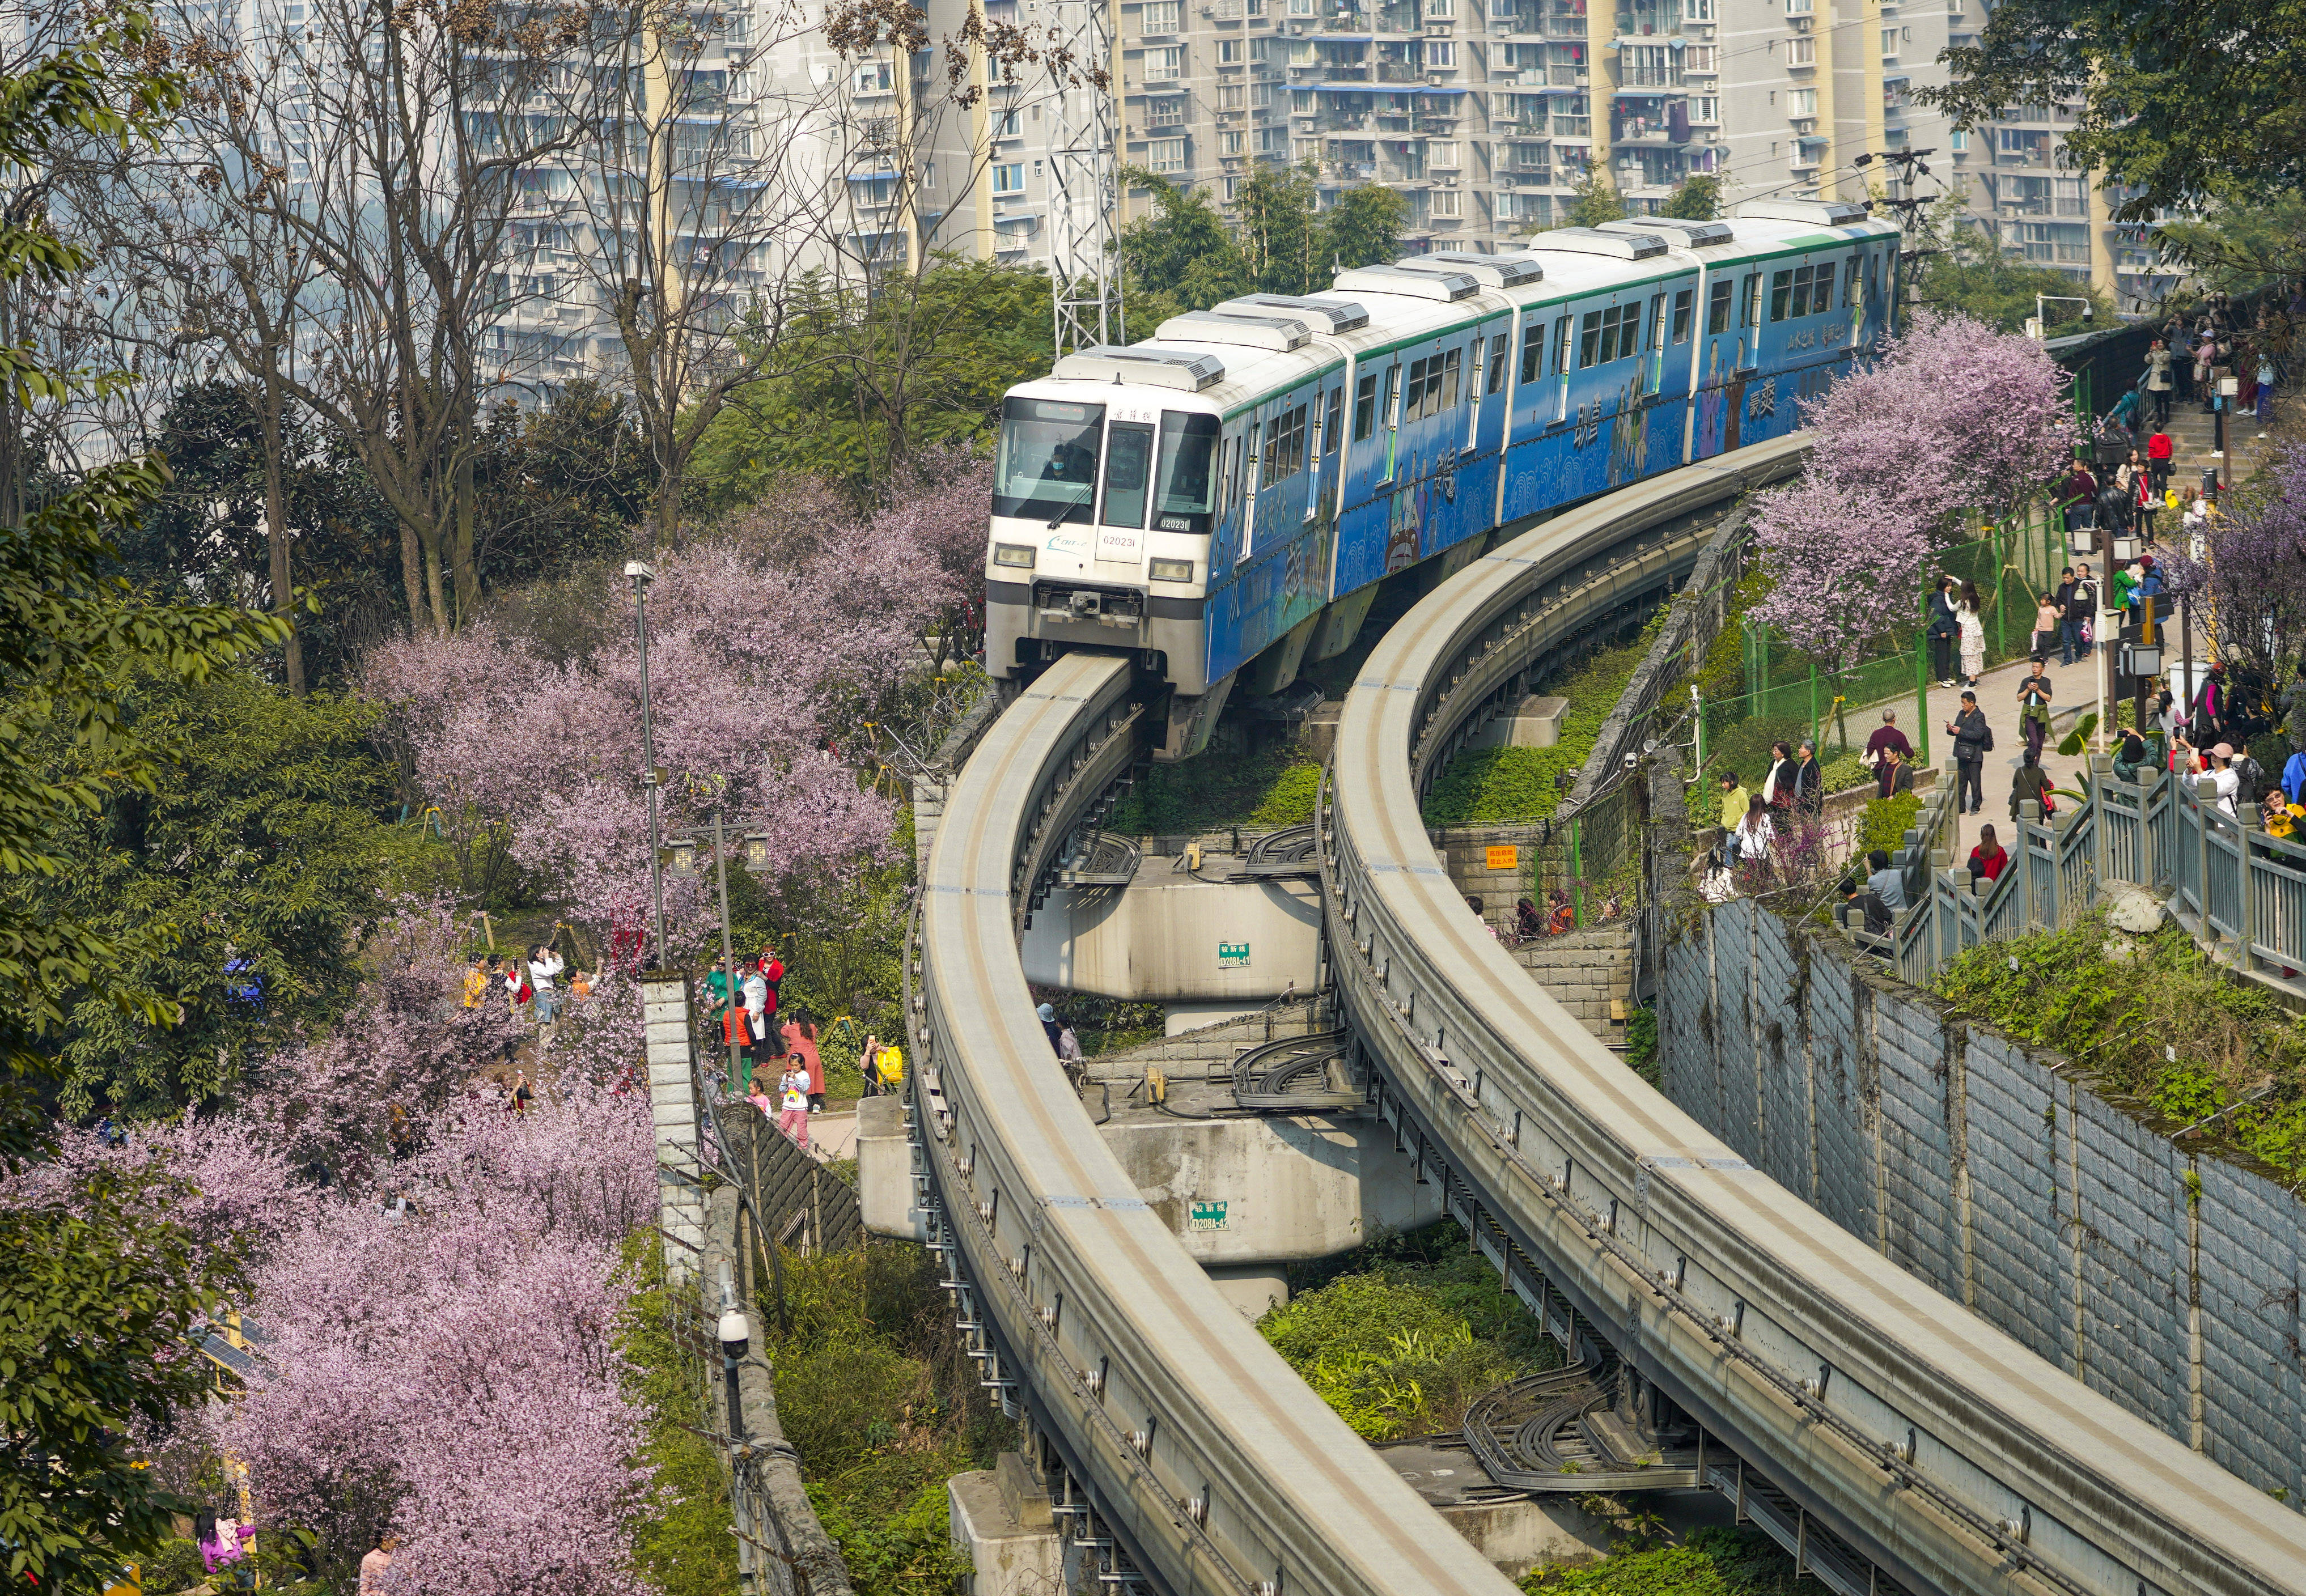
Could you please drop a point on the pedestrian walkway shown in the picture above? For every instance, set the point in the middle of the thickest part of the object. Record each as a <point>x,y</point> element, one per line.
<point>2073,692</point>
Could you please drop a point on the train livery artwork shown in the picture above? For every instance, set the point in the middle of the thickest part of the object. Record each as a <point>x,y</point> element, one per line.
<point>1222,500</point>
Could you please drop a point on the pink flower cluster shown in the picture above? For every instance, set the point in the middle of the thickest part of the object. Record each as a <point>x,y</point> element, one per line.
<point>1954,416</point>
<point>770,645</point>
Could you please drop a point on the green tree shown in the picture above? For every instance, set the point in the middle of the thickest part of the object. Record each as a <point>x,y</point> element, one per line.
<point>875,376</point>
<point>1696,198</point>
<point>1364,227</point>
<point>99,1293</point>
<point>2178,102</point>
<point>261,842</point>
<point>1183,257</point>
<point>1281,241</point>
<point>1962,268</point>
<point>1597,201</point>
<point>2238,243</point>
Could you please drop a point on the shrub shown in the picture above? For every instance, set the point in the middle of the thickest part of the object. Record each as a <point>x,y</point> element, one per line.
<point>1886,821</point>
<point>1713,1562</point>
<point>2114,1004</point>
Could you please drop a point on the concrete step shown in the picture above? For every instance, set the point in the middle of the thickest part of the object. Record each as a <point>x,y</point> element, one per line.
<point>1586,972</point>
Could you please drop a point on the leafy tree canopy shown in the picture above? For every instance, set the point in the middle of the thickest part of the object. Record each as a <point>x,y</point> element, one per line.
<point>1696,198</point>
<point>2178,102</point>
<point>919,364</point>
<point>2238,243</point>
<point>1187,256</point>
<point>1597,201</point>
<point>100,1290</point>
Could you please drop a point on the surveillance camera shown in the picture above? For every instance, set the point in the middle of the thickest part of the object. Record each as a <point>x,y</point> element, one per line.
<point>1630,760</point>
<point>734,1333</point>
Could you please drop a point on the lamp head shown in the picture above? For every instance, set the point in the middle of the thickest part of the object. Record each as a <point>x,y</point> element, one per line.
<point>640,570</point>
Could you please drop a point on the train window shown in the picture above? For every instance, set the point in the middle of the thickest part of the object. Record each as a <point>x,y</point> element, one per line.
<point>1365,408</point>
<point>1047,466</point>
<point>1685,300</point>
<point>1781,291</point>
<point>1564,330</point>
<point>1532,351</point>
<point>1608,335</point>
<point>1412,401</point>
<point>1849,283</point>
<point>1128,473</point>
<point>1656,333</point>
<point>1184,493</point>
<point>1449,386</point>
<point>1284,446</point>
<point>1717,306</point>
<point>1246,478</point>
<point>1802,291</point>
<point>1753,300</point>
<point>1497,363</point>
<point>1335,426</point>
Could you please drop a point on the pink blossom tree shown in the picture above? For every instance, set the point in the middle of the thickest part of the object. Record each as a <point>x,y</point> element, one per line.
<point>1845,566</point>
<point>768,646</point>
<point>2253,572</point>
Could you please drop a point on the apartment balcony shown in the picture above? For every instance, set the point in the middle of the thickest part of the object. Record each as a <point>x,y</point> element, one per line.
<point>1398,72</point>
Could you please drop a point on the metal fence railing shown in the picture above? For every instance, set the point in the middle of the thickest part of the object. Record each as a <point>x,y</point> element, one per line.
<point>1786,695</point>
<point>2240,892</point>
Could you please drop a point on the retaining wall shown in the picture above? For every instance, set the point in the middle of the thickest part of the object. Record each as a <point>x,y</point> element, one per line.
<point>2168,1280</point>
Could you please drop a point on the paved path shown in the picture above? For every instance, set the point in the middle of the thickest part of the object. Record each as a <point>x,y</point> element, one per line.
<point>2073,689</point>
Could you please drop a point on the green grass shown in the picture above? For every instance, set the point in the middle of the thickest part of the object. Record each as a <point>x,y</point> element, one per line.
<point>1218,789</point>
<point>1713,1562</point>
<point>1513,786</point>
<point>1409,1332</point>
<point>2116,1015</point>
<point>877,1395</point>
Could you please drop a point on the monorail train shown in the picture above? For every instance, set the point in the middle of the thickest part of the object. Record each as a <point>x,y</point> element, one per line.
<point>1223,499</point>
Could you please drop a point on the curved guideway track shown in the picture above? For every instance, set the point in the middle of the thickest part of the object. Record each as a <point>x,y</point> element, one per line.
<point>1942,1449</point>
<point>1208,1464</point>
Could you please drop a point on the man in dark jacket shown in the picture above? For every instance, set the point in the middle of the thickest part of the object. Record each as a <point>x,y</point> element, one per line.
<point>1878,919</point>
<point>1973,740</point>
<point>2068,638</point>
<point>2079,598</point>
<point>1943,630</point>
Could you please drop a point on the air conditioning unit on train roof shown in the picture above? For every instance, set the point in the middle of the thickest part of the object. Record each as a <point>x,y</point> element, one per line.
<point>1322,314</point>
<point>1445,286</point>
<point>1249,330</point>
<point>1822,213</point>
<point>1592,241</point>
<point>1692,235</point>
<point>1491,271</point>
<point>1144,364</point>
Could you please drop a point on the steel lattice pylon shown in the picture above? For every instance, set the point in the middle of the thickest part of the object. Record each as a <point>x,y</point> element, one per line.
<point>1087,277</point>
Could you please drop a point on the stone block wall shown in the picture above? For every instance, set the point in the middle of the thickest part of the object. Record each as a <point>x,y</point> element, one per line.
<point>2164,1278</point>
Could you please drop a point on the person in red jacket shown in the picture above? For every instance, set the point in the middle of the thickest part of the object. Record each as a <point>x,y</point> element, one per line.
<point>1989,858</point>
<point>2159,450</point>
<point>773,976</point>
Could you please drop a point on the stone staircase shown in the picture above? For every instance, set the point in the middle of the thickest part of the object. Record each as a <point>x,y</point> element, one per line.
<point>1587,972</point>
<point>2194,432</point>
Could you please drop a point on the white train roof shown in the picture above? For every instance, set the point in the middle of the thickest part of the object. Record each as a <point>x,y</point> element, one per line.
<point>1248,348</point>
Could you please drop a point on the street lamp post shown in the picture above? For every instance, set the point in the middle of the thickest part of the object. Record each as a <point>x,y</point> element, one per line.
<point>641,576</point>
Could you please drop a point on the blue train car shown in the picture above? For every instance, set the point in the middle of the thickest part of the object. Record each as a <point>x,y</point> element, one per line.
<point>1223,499</point>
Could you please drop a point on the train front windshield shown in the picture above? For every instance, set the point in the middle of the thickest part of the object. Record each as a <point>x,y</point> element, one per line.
<point>1047,466</point>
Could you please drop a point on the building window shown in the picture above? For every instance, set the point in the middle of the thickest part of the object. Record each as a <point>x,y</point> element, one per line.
<point>1801,102</point>
<point>1648,67</point>
<point>1260,97</point>
<point>1009,178</point>
<point>1700,58</point>
<point>1960,141</point>
<point>1301,8</point>
<point>1233,97</point>
<point>1165,65</point>
<point>1008,127</point>
<point>1441,152</point>
<point>1799,8</point>
<point>1890,44</point>
<point>1229,142</point>
<point>1229,52</point>
<point>1705,108</point>
<point>1259,50</point>
<point>1445,204</point>
<point>1442,10</point>
<point>1166,113</point>
<point>1305,150</point>
<point>873,78</point>
<point>1300,101</point>
<point>1441,56</point>
<point>1802,51</point>
<point>1165,155</point>
<point>1161,16</point>
<point>1270,140</point>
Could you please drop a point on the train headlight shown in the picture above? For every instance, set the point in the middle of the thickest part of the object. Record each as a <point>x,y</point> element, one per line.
<point>1016,554</point>
<point>1173,570</point>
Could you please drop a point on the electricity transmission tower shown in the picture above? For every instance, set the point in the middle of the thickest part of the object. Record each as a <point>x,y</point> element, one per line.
<point>1084,143</point>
